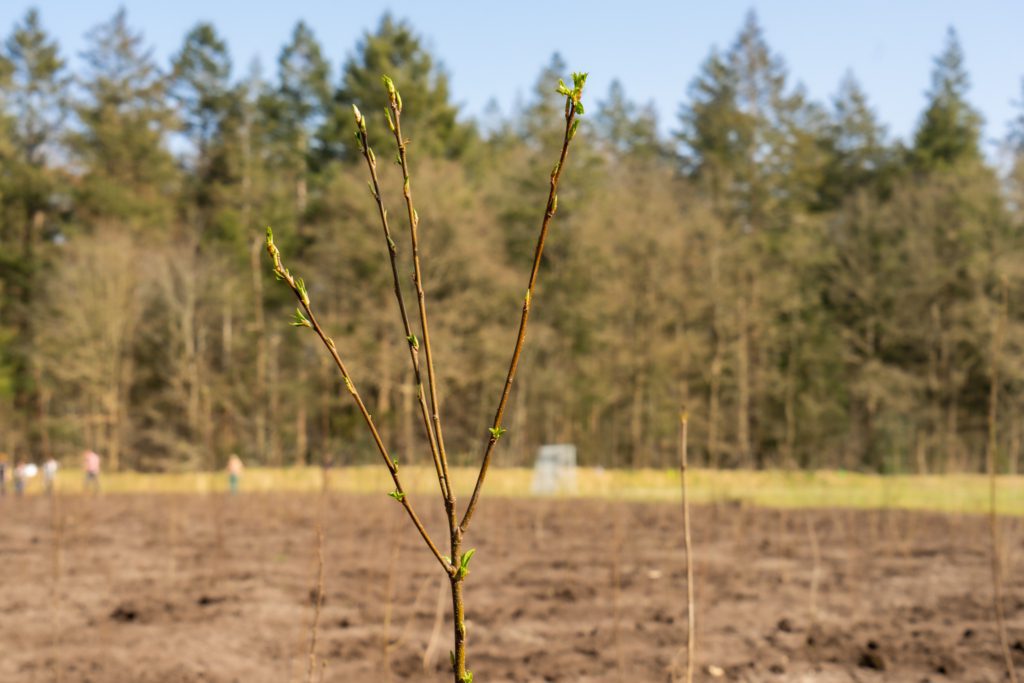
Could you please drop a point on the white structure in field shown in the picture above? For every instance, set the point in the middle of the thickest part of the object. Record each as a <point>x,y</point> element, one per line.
<point>555,471</point>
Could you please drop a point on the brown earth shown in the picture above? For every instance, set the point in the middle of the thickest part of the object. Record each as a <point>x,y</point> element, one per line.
<point>192,588</point>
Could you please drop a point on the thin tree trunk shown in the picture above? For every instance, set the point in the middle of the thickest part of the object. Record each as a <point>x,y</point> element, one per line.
<point>714,404</point>
<point>1013,456</point>
<point>274,399</point>
<point>743,378</point>
<point>521,444</point>
<point>385,375</point>
<point>112,430</point>
<point>408,426</point>
<point>260,390</point>
<point>920,453</point>
<point>229,432</point>
<point>301,187</point>
<point>953,452</point>
<point>227,339</point>
<point>301,424</point>
<point>789,442</point>
<point>40,410</point>
<point>636,423</point>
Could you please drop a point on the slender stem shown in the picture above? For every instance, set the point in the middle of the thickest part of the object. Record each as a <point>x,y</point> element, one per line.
<point>311,321</point>
<point>413,343</point>
<point>319,598</point>
<point>690,605</point>
<point>459,619</point>
<point>993,406</point>
<point>395,106</point>
<point>549,212</point>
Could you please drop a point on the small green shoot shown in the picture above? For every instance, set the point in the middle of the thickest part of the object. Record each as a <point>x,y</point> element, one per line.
<point>464,564</point>
<point>300,319</point>
<point>301,286</point>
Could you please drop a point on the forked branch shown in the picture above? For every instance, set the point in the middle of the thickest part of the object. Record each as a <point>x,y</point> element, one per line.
<point>410,338</point>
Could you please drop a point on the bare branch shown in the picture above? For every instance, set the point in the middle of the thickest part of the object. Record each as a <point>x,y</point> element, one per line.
<point>573,107</point>
<point>412,341</point>
<point>306,318</point>
<point>395,124</point>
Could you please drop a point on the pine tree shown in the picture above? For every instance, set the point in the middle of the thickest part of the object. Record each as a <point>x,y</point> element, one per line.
<point>859,155</point>
<point>211,115</point>
<point>950,128</point>
<point>125,119</point>
<point>753,144</point>
<point>35,98</point>
<point>201,73</point>
<point>294,111</point>
<point>395,49</point>
<point>303,88</point>
<point>627,129</point>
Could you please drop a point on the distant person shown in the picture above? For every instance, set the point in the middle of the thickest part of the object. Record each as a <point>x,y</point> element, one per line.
<point>18,478</point>
<point>235,468</point>
<point>91,465</point>
<point>50,468</point>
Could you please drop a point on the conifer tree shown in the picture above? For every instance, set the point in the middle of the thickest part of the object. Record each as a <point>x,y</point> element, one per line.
<point>394,48</point>
<point>628,129</point>
<point>200,73</point>
<point>858,152</point>
<point>752,143</point>
<point>210,109</point>
<point>125,118</point>
<point>950,127</point>
<point>34,100</point>
<point>295,110</point>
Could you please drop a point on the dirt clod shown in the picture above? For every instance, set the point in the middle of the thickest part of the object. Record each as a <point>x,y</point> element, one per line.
<point>871,659</point>
<point>124,613</point>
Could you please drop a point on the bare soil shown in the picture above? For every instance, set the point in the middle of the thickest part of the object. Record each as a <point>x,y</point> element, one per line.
<point>214,588</point>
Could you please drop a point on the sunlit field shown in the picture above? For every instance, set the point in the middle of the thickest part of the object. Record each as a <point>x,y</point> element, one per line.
<point>961,493</point>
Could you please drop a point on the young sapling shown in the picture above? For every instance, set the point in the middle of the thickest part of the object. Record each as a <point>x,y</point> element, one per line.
<point>456,564</point>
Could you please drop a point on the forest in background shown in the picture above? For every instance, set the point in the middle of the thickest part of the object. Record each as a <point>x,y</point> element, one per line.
<point>815,292</point>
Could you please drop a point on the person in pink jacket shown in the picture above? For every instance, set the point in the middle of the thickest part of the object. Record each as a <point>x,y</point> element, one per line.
<point>91,465</point>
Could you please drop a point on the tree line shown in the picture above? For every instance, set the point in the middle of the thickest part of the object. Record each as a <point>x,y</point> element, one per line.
<point>815,292</point>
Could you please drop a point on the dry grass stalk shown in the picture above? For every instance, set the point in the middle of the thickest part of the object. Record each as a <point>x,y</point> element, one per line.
<point>57,528</point>
<point>691,621</point>
<point>456,563</point>
<point>318,601</point>
<point>618,540</point>
<point>812,535</point>
<point>990,460</point>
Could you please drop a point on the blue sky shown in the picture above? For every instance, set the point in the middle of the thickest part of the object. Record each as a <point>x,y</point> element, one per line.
<point>495,50</point>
